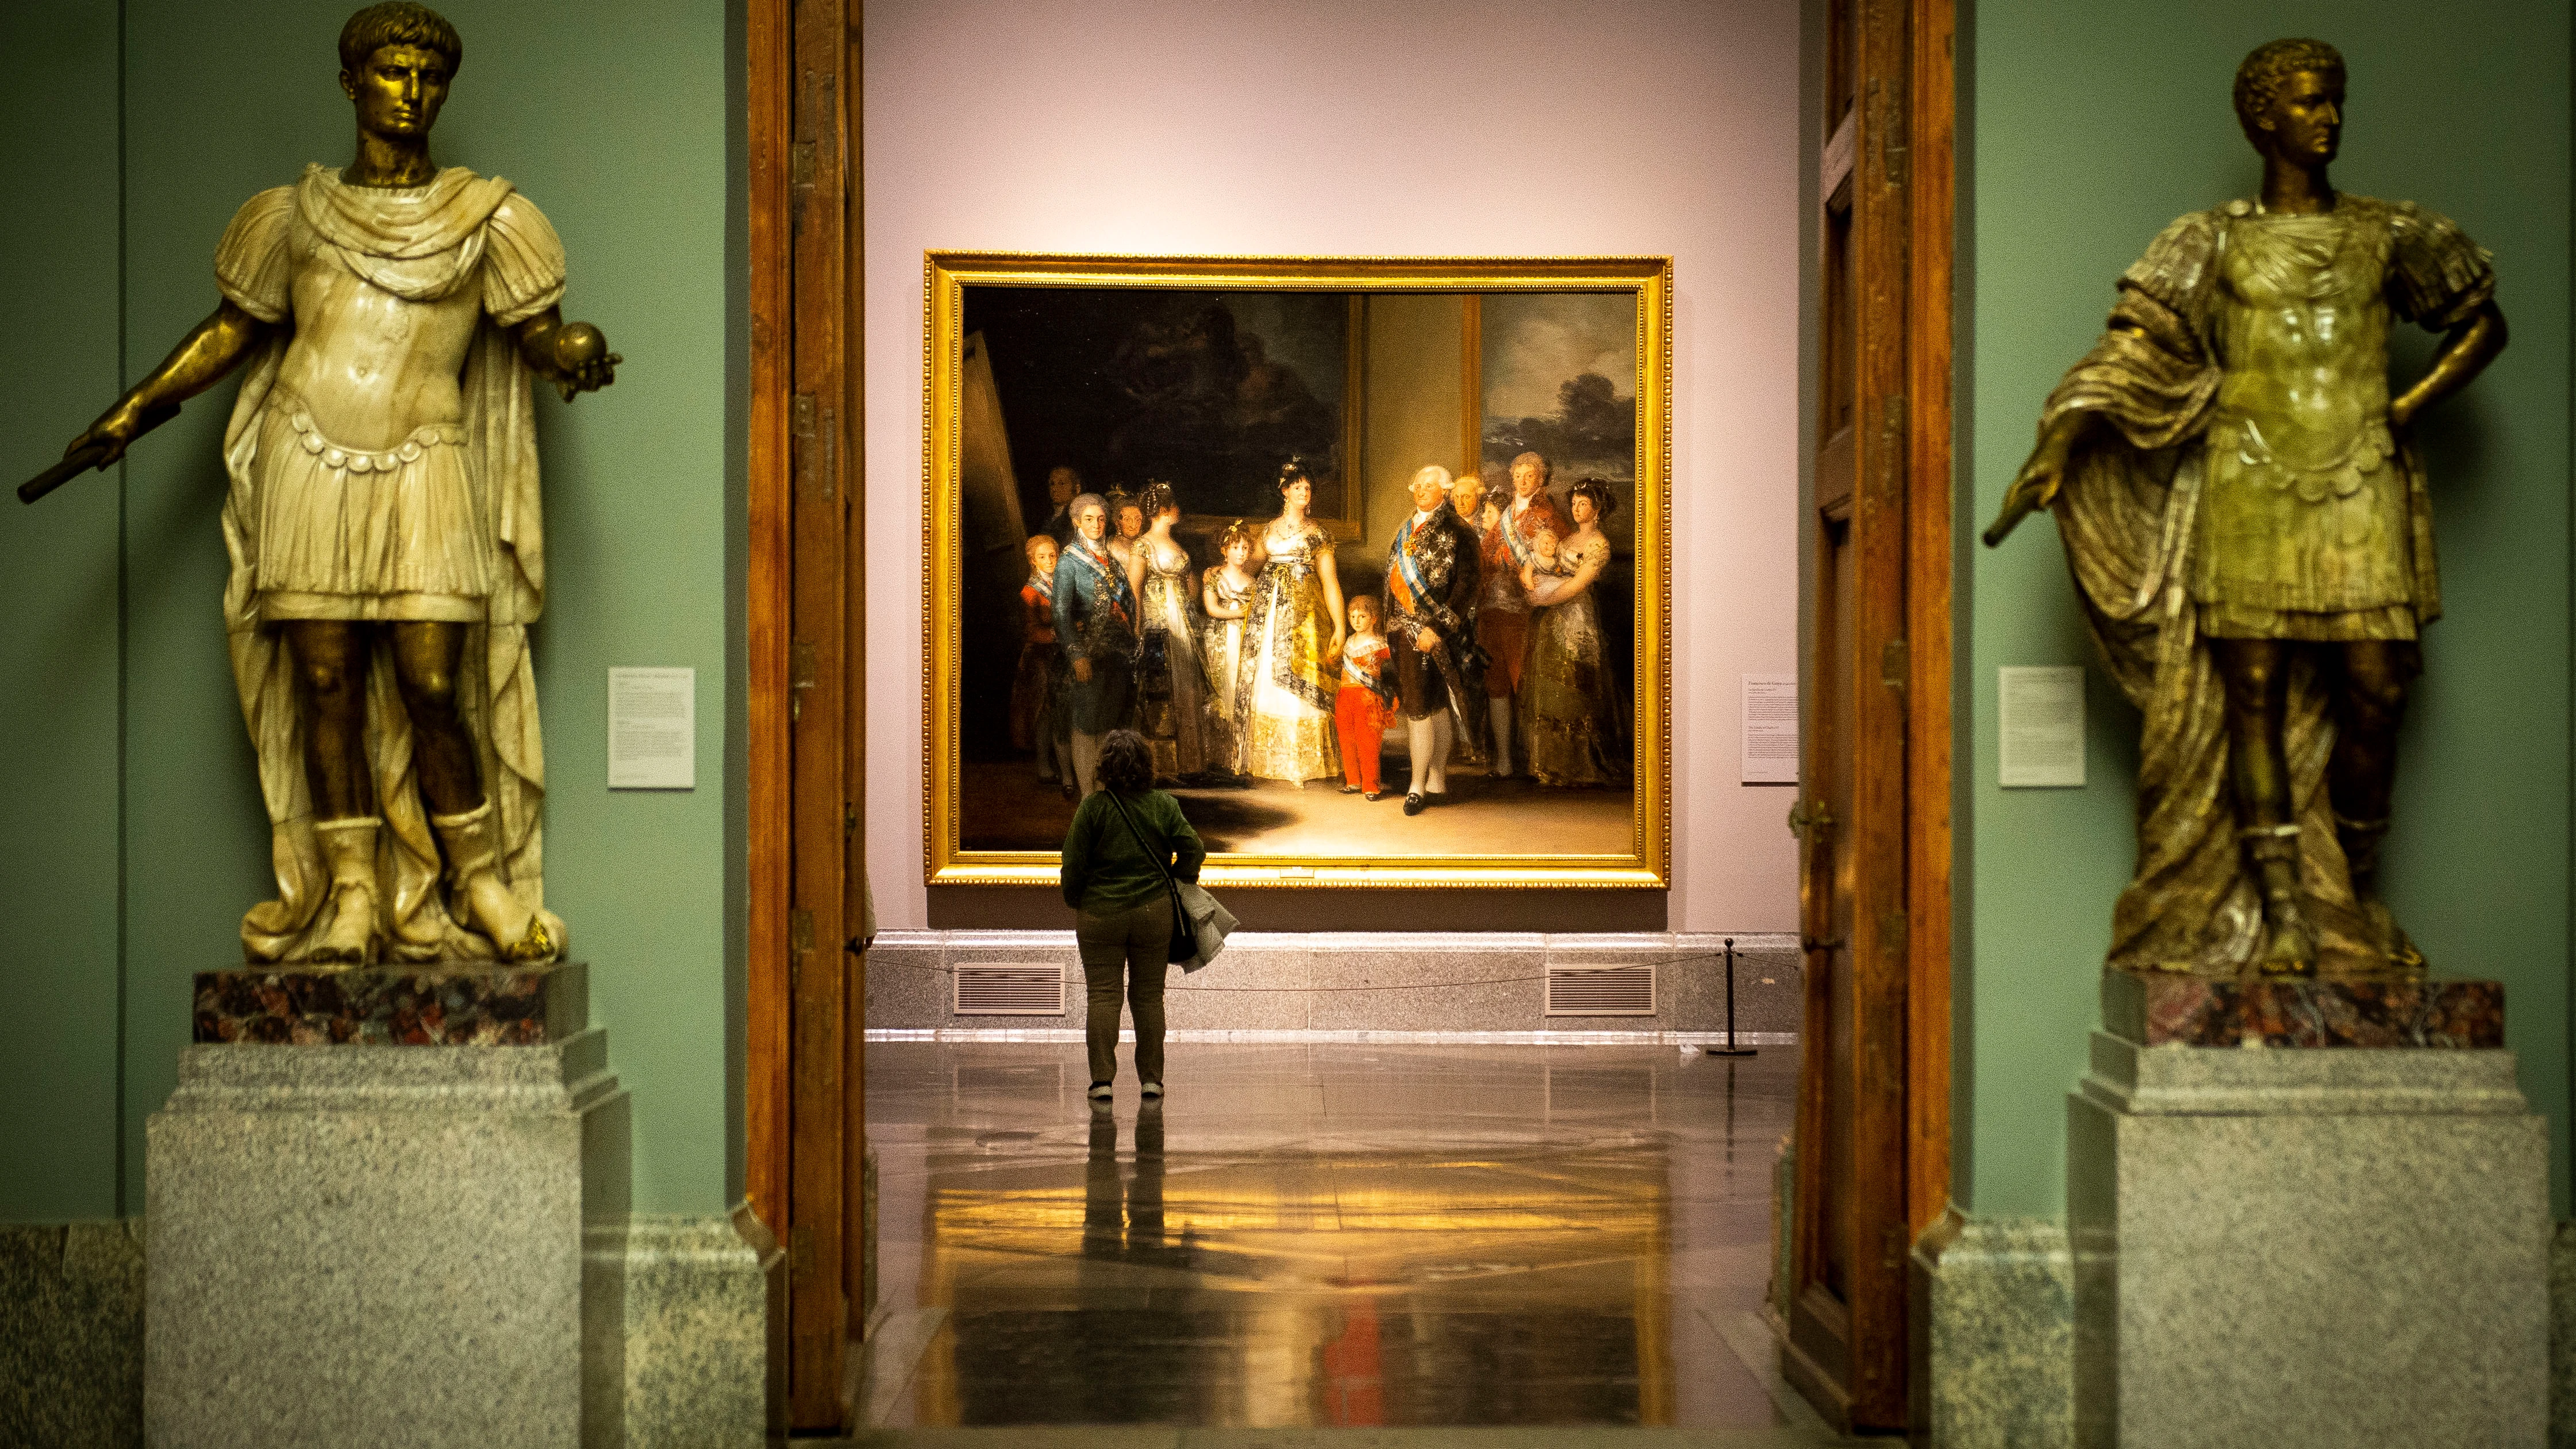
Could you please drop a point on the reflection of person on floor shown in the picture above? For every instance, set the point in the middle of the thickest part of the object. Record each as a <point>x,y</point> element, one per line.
<point>1037,686</point>
<point>1063,486</point>
<point>1171,687</point>
<point>1566,714</point>
<point>1131,1228</point>
<point>1226,595</point>
<point>1367,697</point>
<point>1095,623</point>
<point>1285,694</point>
<point>1122,911</point>
<point>1502,611</point>
<point>1430,594</point>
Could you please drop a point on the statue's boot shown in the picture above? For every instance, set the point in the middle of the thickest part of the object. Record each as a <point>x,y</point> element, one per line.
<point>2291,947</point>
<point>348,929</point>
<point>2360,840</point>
<point>519,932</point>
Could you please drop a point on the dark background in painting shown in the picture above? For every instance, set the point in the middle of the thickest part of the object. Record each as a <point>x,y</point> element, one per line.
<point>1208,390</point>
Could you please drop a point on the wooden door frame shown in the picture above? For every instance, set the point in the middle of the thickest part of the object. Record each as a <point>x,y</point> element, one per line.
<point>1902,245</point>
<point>803,1018</point>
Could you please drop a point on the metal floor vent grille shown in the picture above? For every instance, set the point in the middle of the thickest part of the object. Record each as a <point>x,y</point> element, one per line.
<point>1010,988</point>
<point>1601,990</point>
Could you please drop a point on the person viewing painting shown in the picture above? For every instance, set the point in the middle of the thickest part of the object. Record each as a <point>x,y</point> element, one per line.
<point>1366,700</point>
<point>1568,720</point>
<point>1284,695</point>
<point>1095,623</point>
<point>1123,838</point>
<point>1037,686</point>
<point>1172,687</point>
<point>1502,609</point>
<point>1226,598</point>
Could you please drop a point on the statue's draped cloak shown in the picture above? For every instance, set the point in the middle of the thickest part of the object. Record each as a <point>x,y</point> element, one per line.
<point>420,244</point>
<point>2126,516</point>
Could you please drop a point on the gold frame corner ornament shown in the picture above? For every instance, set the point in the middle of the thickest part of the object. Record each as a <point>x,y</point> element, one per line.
<point>946,274</point>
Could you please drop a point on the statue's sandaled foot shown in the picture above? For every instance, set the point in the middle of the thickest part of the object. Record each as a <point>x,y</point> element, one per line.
<point>347,934</point>
<point>518,931</point>
<point>2292,949</point>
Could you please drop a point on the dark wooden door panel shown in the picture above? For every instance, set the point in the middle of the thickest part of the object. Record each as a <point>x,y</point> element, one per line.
<point>1876,580</point>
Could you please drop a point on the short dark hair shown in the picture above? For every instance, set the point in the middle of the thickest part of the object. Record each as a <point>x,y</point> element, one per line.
<point>2258,80</point>
<point>1292,470</point>
<point>398,22</point>
<point>1126,766</point>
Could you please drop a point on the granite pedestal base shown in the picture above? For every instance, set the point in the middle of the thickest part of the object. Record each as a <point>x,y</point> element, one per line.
<point>372,1244</point>
<point>2317,1245</point>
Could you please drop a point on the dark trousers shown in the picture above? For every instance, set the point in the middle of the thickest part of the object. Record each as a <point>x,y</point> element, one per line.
<point>1138,945</point>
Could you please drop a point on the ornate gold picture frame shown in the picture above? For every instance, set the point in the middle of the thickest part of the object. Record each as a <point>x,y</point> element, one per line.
<point>1280,413</point>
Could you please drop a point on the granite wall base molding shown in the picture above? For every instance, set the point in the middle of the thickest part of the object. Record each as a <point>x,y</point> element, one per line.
<point>1351,981</point>
<point>1993,1340</point>
<point>688,1365</point>
<point>71,1334</point>
<point>2562,1337</point>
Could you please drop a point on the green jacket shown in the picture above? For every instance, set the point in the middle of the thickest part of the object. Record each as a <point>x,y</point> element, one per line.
<point>1106,871</point>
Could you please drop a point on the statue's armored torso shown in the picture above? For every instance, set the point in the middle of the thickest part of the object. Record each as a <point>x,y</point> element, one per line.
<point>372,365</point>
<point>2304,529</point>
<point>366,503</point>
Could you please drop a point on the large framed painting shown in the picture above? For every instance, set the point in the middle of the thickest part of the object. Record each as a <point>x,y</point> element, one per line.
<point>1371,552</point>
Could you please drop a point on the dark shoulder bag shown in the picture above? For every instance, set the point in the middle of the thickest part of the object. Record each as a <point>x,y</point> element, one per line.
<point>1184,943</point>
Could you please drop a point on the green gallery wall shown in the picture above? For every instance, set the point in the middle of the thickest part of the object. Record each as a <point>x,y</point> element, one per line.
<point>2084,129</point>
<point>135,837</point>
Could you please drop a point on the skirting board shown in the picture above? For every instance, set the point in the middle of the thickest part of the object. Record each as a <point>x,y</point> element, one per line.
<point>1385,1038</point>
<point>1464,985</point>
<point>691,1293</point>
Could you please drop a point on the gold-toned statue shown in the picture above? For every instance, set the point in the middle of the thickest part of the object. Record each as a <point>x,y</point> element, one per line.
<point>2252,538</point>
<point>383,522</point>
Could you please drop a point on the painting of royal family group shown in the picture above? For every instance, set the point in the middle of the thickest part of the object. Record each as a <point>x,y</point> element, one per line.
<point>1429,660</point>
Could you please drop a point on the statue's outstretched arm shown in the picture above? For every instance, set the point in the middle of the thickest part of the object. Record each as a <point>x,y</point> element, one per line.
<point>213,348</point>
<point>2465,353</point>
<point>574,356</point>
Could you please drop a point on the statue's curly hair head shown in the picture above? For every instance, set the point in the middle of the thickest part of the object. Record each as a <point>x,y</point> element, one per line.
<point>2258,80</point>
<point>398,22</point>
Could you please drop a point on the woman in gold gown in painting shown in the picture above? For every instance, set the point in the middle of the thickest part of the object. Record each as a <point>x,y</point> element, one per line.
<point>1173,686</point>
<point>1567,716</point>
<point>1284,696</point>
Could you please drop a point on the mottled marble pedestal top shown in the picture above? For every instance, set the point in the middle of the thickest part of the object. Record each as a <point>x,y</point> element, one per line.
<point>464,1003</point>
<point>2159,1008</point>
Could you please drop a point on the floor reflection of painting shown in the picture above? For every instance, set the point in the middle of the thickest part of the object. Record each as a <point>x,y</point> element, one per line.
<point>1277,473</point>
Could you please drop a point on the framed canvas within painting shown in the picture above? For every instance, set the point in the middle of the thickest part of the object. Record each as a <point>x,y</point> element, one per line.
<point>1372,553</point>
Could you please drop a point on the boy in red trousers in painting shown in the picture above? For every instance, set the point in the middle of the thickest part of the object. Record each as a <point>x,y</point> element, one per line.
<point>1360,709</point>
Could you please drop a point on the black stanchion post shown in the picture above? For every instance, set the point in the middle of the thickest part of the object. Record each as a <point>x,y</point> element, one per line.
<point>1730,1049</point>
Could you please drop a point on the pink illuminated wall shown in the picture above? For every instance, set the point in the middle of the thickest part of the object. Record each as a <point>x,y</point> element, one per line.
<point>1434,127</point>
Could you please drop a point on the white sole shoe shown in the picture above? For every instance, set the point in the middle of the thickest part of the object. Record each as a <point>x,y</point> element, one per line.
<point>1099,1091</point>
<point>1153,1091</point>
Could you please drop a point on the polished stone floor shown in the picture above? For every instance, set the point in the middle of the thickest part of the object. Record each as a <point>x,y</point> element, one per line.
<point>1328,1236</point>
